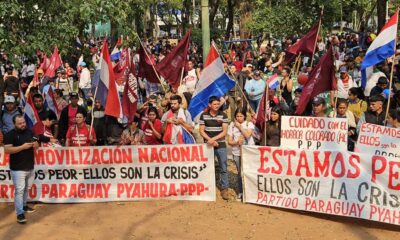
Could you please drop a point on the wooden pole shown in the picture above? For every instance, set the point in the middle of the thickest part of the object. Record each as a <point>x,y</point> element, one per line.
<point>299,64</point>
<point>265,112</point>
<point>316,38</point>
<point>236,81</point>
<point>391,75</point>
<point>92,113</point>
<point>390,88</point>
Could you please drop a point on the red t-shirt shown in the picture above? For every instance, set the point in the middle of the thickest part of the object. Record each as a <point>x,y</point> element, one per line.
<point>80,136</point>
<point>238,65</point>
<point>47,133</point>
<point>149,137</point>
<point>72,115</point>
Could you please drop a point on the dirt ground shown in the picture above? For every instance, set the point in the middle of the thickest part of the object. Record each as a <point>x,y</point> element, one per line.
<point>184,220</point>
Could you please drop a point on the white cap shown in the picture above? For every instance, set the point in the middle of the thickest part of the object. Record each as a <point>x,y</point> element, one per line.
<point>9,99</point>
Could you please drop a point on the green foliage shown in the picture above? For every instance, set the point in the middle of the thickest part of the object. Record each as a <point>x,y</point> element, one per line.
<point>282,18</point>
<point>197,34</point>
<point>28,25</point>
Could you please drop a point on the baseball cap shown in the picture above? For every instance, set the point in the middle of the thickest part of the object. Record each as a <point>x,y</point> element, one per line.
<point>73,94</point>
<point>382,80</point>
<point>318,101</point>
<point>343,69</point>
<point>9,99</point>
<point>82,64</point>
<point>249,65</point>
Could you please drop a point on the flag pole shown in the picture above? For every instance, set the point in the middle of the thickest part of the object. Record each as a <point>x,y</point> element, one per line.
<point>265,113</point>
<point>391,73</point>
<point>299,64</point>
<point>390,86</point>
<point>92,113</point>
<point>316,38</point>
<point>236,81</point>
<point>152,65</point>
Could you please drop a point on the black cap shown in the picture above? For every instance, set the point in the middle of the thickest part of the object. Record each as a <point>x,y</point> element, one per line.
<point>73,94</point>
<point>382,80</point>
<point>318,101</point>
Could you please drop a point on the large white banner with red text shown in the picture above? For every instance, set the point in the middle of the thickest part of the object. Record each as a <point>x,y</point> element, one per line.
<point>314,133</point>
<point>118,173</point>
<point>331,182</point>
<point>379,140</point>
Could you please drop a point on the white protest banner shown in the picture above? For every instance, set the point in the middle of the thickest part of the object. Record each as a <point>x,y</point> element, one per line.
<point>314,133</point>
<point>118,173</point>
<point>379,140</point>
<point>330,182</point>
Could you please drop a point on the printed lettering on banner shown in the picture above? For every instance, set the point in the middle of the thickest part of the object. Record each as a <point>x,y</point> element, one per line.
<point>118,173</point>
<point>331,182</point>
<point>315,133</point>
<point>379,140</point>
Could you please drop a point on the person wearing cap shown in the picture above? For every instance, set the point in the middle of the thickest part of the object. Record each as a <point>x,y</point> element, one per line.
<point>344,83</point>
<point>85,81</point>
<point>375,114</point>
<point>381,85</point>
<point>62,82</point>
<point>68,115</point>
<point>10,110</point>
<point>255,89</point>
<point>319,107</point>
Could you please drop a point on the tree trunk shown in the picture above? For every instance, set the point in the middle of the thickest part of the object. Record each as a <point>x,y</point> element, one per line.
<point>381,12</point>
<point>229,27</point>
<point>114,32</point>
<point>245,16</point>
<point>213,11</point>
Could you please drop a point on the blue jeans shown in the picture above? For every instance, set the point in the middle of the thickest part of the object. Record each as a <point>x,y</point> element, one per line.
<point>254,104</point>
<point>223,167</point>
<point>86,92</point>
<point>237,160</point>
<point>22,181</point>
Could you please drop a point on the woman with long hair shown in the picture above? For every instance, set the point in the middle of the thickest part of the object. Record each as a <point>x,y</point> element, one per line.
<point>152,128</point>
<point>240,133</point>
<point>274,128</point>
<point>357,104</point>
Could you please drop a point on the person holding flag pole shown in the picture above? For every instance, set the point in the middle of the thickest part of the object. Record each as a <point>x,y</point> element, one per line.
<point>383,47</point>
<point>152,65</point>
<point>252,111</point>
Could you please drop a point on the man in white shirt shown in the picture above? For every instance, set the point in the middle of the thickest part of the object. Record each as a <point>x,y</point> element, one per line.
<point>190,79</point>
<point>85,81</point>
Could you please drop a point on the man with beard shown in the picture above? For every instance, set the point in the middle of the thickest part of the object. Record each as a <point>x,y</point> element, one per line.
<point>19,143</point>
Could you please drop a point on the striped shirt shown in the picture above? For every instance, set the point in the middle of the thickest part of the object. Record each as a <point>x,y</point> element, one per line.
<point>213,125</point>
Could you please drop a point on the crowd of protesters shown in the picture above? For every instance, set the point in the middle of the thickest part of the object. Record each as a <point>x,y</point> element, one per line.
<point>228,121</point>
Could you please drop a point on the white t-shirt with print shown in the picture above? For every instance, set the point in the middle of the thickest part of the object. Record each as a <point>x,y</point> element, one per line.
<point>235,133</point>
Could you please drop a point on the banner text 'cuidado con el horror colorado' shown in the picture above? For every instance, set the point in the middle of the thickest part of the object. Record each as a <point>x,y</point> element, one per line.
<point>112,173</point>
<point>331,182</point>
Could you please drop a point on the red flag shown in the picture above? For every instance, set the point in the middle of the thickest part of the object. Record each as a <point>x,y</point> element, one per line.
<point>145,67</point>
<point>263,112</point>
<point>171,66</point>
<point>45,63</point>
<point>305,45</point>
<point>121,69</point>
<point>129,98</point>
<point>55,62</point>
<point>321,79</point>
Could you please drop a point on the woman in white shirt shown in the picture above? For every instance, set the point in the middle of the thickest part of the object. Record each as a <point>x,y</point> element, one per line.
<point>240,133</point>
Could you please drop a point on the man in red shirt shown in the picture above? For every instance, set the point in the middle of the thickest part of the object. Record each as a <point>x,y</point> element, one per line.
<point>68,115</point>
<point>80,134</point>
